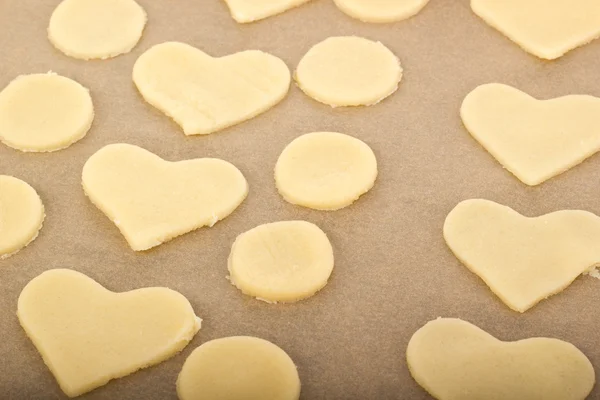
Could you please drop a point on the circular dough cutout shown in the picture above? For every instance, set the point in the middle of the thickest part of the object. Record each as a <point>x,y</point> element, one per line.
<point>238,368</point>
<point>325,170</point>
<point>349,71</point>
<point>282,261</point>
<point>92,29</point>
<point>381,11</point>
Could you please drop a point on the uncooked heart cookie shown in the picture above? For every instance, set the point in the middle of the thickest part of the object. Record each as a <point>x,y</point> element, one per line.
<point>205,94</point>
<point>380,11</point>
<point>455,360</point>
<point>534,139</point>
<point>88,335</point>
<point>244,11</point>
<point>523,260</point>
<point>152,200</point>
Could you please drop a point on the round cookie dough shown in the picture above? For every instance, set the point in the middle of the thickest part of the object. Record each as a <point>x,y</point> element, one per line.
<point>380,11</point>
<point>325,170</point>
<point>91,29</point>
<point>44,112</point>
<point>238,368</point>
<point>282,261</point>
<point>349,71</point>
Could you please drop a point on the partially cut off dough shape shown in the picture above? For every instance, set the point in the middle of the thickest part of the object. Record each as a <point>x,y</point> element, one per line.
<point>238,368</point>
<point>88,335</point>
<point>21,215</point>
<point>96,29</point>
<point>282,261</point>
<point>244,11</point>
<point>349,71</point>
<point>152,200</point>
<point>534,139</point>
<point>381,11</point>
<point>546,29</point>
<point>523,260</point>
<point>205,94</point>
<point>325,170</point>
<point>455,360</point>
<point>44,112</point>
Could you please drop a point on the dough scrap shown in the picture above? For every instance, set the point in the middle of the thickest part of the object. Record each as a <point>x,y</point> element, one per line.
<point>546,29</point>
<point>455,360</point>
<point>44,112</point>
<point>244,11</point>
<point>96,29</point>
<point>523,260</point>
<point>381,11</point>
<point>21,215</point>
<point>349,71</point>
<point>205,94</point>
<point>152,200</point>
<point>88,335</point>
<point>325,170</point>
<point>238,368</point>
<point>284,261</point>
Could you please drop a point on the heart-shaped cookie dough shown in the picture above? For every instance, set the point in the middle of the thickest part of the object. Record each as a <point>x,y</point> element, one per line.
<point>534,139</point>
<point>455,360</point>
<point>523,260</point>
<point>381,11</point>
<point>205,94</point>
<point>244,11</point>
<point>152,200</point>
<point>88,335</point>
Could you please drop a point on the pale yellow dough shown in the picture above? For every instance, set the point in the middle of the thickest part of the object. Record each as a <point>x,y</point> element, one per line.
<point>88,335</point>
<point>534,139</point>
<point>282,261</point>
<point>455,360</point>
<point>21,215</point>
<point>152,200</point>
<point>244,11</point>
<point>44,112</point>
<point>238,368</point>
<point>349,71</point>
<point>205,94</point>
<point>92,29</point>
<point>325,170</point>
<point>523,260</point>
<point>381,11</point>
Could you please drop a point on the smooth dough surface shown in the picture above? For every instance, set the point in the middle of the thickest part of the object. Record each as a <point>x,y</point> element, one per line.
<point>523,260</point>
<point>205,94</point>
<point>238,368</point>
<point>92,29</point>
<point>282,261</point>
<point>152,200</point>
<point>455,360</point>
<point>21,215</point>
<point>88,335</point>
<point>349,71</point>
<point>244,11</point>
<point>44,112</point>
<point>325,170</point>
<point>381,11</point>
<point>546,29</point>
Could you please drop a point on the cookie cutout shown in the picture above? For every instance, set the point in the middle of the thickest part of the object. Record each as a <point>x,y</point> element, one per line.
<point>96,29</point>
<point>88,335</point>
<point>152,200</point>
<point>455,360</point>
<point>238,368</point>
<point>523,260</point>
<point>349,71</point>
<point>325,170</point>
<point>283,261</point>
<point>44,112</point>
<point>381,11</point>
<point>244,11</point>
<point>205,94</point>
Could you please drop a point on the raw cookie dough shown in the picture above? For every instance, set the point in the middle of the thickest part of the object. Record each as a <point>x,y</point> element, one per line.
<point>282,261</point>
<point>152,200</point>
<point>534,139</point>
<point>44,112</point>
<point>455,360</point>
<point>244,11</point>
<point>349,71</point>
<point>89,29</point>
<point>381,11</point>
<point>21,215</point>
<point>88,335</point>
<point>205,94</point>
<point>325,170</point>
<point>238,368</point>
<point>523,260</point>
